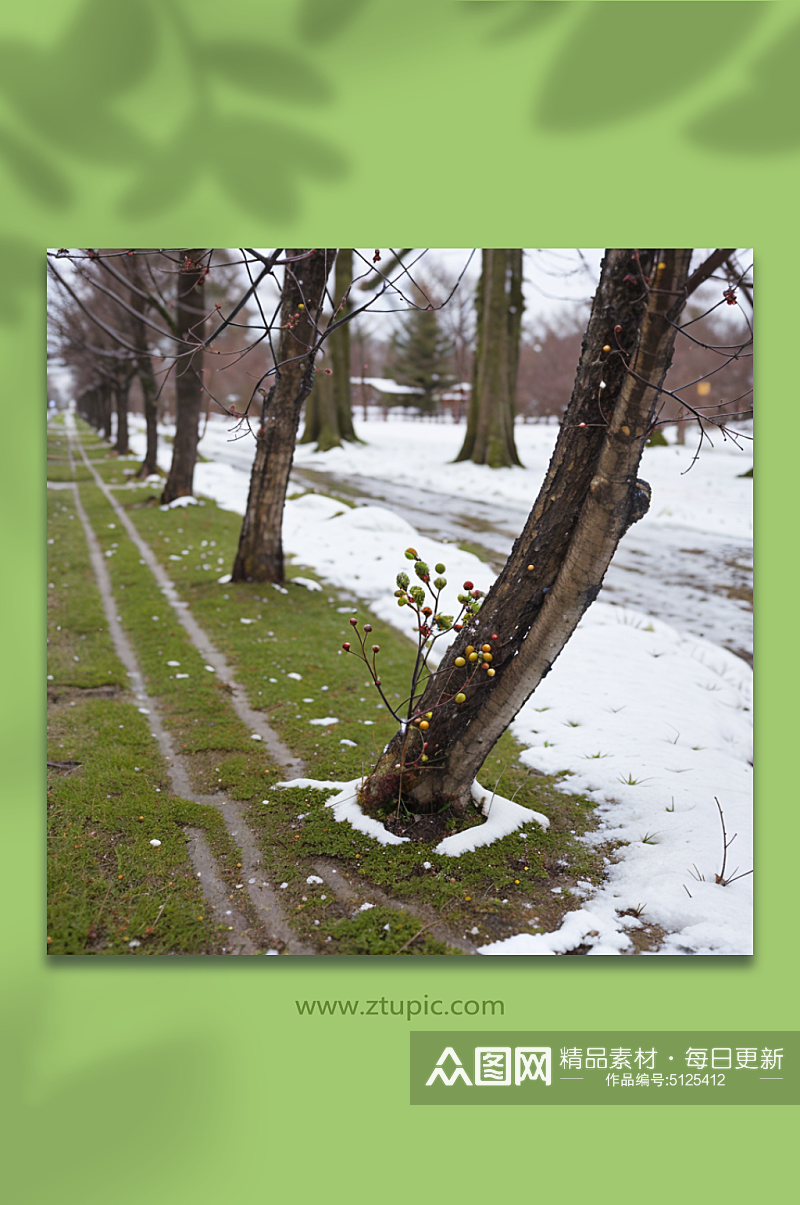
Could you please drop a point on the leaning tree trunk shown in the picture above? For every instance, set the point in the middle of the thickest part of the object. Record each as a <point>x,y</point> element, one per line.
<point>329,412</point>
<point>490,420</point>
<point>588,499</point>
<point>189,315</point>
<point>260,554</point>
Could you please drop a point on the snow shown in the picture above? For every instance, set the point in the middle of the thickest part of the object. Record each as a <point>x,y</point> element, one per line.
<point>502,817</point>
<point>651,719</point>
<point>188,500</point>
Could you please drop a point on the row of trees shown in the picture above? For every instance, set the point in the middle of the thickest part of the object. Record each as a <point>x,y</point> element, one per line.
<point>588,499</point>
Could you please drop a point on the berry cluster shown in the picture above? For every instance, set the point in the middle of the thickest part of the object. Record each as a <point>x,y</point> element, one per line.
<point>430,625</point>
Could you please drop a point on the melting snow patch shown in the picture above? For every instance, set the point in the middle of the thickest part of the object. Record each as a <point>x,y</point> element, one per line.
<point>254,736</point>
<point>598,930</point>
<point>188,500</point>
<point>181,675</point>
<point>246,621</point>
<point>307,582</point>
<point>175,664</point>
<point>297,677</point>
<point>314,878</point>
<point>155,841</point>
<point>502,817</point>
<point>350,744</point>
<point>223,581</point>
<point>326,720</point>
<point>366,907</point>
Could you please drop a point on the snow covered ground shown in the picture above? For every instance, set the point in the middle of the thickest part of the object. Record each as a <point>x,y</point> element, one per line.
<point>652,718</point>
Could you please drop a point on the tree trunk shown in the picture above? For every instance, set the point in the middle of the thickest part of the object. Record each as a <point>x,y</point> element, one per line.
<point>260,554</point>
<point>189,314</point>
<point>121,390</point>
<point>587,501</point>
<point>490,419</point>
<point>104,392</point>
<point>322,425</point>
<point>147,380</point>
<point>329,410</point>
<point>144,371</point>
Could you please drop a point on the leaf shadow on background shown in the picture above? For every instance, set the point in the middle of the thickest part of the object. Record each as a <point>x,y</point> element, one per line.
<point>22,265</point>
<point>258,161</point>
<point>514,18</point>
<point>128,1111</point>
<point>624,59</point>
<point>64,94</point>
<point>322,20</point>
<point>37,174</point>
<point>257,164</point>
<point>267,72</point>
<point>761,118</point>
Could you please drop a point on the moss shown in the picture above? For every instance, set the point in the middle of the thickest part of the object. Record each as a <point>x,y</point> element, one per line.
<point>485,895</point>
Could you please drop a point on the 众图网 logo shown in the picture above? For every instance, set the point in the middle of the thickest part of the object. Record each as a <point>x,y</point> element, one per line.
<point>494,1066</point>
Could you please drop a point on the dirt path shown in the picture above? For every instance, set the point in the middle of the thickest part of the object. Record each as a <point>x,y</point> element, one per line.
<point>273,933</point>
<point>274,930</point>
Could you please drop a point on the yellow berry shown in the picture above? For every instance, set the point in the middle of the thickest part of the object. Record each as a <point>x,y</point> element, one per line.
<point>459,699</point>
<point>424,725</point>
<point>473,656</point>
<point>486,648</point>
<point>469,649</point>
<point>460,661</point>
<point>490,673</point>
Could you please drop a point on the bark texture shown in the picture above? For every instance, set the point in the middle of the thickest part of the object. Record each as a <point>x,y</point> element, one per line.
<point>144,371</point>
<point>588,500</point>
<point>121,390</point>
<point>260,554</point>
<point>489,437</point>
<point>189,315</point>
<point>329,411</point>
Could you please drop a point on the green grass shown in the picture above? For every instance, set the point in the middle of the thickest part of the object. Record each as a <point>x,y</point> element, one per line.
<point>108,788</point>
<point>495,891</point>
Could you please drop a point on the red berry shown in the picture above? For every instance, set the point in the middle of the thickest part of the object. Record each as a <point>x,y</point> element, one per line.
<point>346,647</point>
<point>495,636</point>
<point>469,585</point>
<point>354,622</point>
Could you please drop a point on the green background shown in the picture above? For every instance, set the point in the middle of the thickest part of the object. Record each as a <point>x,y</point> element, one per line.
<point>150,124</point>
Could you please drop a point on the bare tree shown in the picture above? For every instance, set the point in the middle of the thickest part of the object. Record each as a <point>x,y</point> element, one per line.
<point>260,553</point>
<point>589,498</point>
<point>499,302</point>
<point>329,411</point>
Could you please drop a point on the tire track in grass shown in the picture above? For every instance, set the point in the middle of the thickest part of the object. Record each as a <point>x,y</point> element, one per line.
<point>337,881</point>
<point>262,897</point>
<point>331,870</point>
<point>253,720</point>
<point>211,882</point>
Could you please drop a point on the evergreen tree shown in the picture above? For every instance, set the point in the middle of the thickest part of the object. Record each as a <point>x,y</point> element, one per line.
<point>419,356</point>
